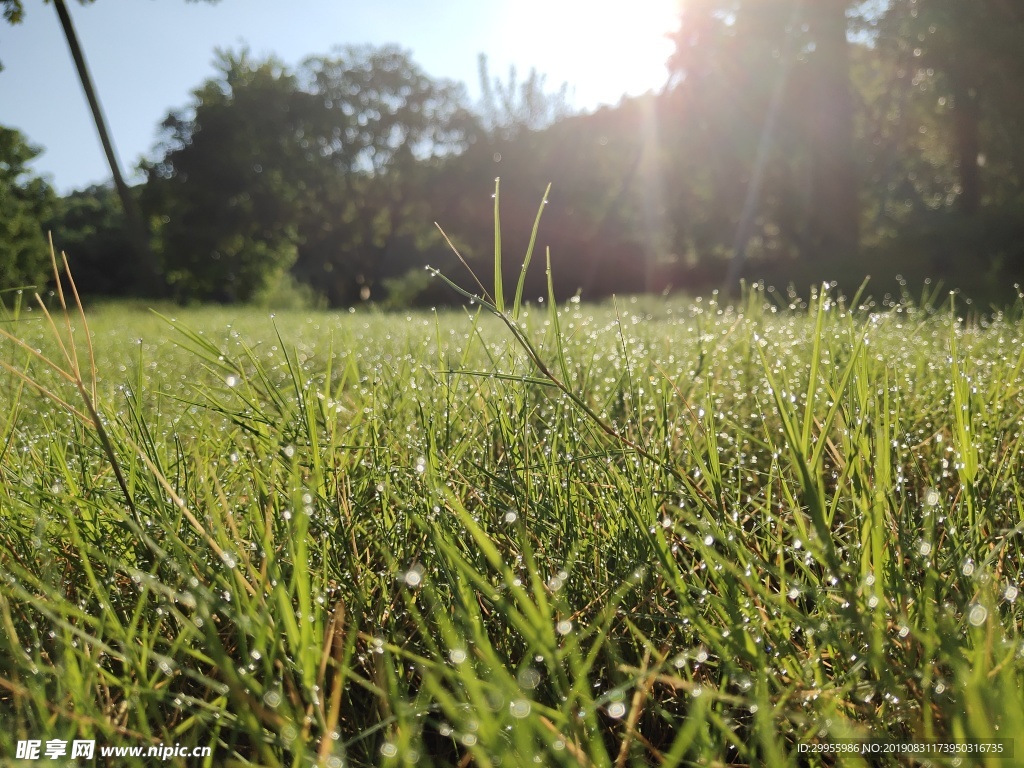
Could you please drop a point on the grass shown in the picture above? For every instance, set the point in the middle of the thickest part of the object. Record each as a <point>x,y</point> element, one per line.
<point>641,533</point>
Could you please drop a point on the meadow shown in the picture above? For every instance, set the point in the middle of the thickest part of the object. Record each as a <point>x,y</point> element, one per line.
<point>647,532</point>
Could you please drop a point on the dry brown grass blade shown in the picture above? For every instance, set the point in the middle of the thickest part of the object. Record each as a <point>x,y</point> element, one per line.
<point>570,747</point>
<point>636,708</point>
<point>334,647</point>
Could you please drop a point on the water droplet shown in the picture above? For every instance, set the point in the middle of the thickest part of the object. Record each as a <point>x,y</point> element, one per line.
<point>519,708</point>
<point>977,615</point>
<point>529,678</point>
<point>616,709</point>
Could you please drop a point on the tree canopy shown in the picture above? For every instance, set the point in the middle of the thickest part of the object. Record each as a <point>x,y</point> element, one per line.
<point>25,200</point>
<point>795,141</point>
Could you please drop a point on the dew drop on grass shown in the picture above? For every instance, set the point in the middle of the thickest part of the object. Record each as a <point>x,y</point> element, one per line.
<point>457,655</point>
<point>529,678</point>
<point>519,708</point>
<point>413,577</point>
<point>511,516</point>
<point>977,615</point>
<point>388,749</point>
<point>231,381</point>
<point>564,627</point>
<point>272,699</point>
<point>1010,594</point>
<point>289,451</point>
<point>616,709</point>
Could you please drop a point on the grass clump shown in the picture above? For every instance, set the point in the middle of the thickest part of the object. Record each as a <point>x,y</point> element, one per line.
<point>636,534</point>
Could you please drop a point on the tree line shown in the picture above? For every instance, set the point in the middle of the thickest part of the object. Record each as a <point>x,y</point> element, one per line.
<point>793,141</point>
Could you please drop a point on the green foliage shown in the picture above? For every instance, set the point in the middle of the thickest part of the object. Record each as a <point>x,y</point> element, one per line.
<point>90,226</point>
<point>225,196</point>
<point>764,136</point>
<point>318,172</point>
<point>25,200</point>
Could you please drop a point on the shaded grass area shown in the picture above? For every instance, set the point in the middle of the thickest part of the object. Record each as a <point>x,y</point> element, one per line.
<point>642,533</point>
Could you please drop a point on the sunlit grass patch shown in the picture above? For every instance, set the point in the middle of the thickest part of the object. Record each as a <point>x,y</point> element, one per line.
<point>645,533</point>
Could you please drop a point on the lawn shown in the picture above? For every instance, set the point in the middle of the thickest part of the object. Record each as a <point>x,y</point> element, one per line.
<point>650,532</point>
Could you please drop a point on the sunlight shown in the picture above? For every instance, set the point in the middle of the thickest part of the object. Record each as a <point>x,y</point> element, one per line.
<point>597,45</point>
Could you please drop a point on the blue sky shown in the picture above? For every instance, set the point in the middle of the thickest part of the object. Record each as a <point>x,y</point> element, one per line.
<point>146,56</point>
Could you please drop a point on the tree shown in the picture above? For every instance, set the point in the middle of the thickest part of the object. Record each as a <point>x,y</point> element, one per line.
<point>323,171</point>
<point>834,217</point>
<point>146,268</point>
<point>511,107</point>
<point>969,55</point>
<point>383,127</point>
<point>224,196</point>
<point>765,129</point>
<point>89,226</point>
<point>25,200</point>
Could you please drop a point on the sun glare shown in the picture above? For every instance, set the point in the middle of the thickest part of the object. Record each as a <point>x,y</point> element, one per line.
<point>601,48</point>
